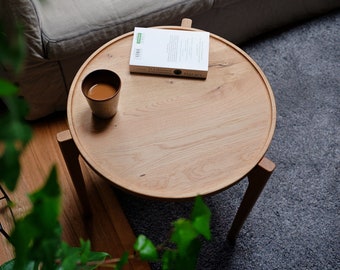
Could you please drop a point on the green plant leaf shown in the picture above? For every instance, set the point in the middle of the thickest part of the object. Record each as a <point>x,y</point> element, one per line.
<point>200,217</point>
<point>37,236</point>
<point>173,260</point>
<point>186,237</point>
<point>16,110</point>
<point>168,259</point>
<point>97,257</point>
<point>10,166</point>
<point>47,202</point>
<point>82,258</point>
<point>14,137</point>
<point>7,88</point>
<point>189,260</point>
<point>91,256</point>
<point>85,249</point>
<point>16,131</point>
<point>12,44</point>
<point>68,257</point>
<point>7,265</point>
<point>123,260</point>
<point>183,234</point>
<point>146,248</point>
<point>10,264</point>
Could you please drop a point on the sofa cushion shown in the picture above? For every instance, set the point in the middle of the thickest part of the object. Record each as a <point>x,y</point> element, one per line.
<point>240,20</point>
<point>72,26</point>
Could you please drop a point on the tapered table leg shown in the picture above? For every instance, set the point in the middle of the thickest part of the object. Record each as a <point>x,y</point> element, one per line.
<point>257,178</point>
<point>71,156</point>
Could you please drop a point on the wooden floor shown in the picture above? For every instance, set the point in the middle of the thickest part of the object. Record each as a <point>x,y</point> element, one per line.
<point>108,228</point>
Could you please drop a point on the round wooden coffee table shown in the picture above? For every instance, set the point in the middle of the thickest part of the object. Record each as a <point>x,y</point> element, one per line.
<point>174,137</point>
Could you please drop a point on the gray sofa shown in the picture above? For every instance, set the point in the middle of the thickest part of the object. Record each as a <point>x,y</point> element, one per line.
<point>61,34</point>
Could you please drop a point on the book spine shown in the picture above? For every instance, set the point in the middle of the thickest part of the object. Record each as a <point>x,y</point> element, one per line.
<point>201,74</point>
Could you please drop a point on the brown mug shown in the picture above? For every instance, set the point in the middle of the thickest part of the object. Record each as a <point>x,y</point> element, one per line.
<point>101,89</point>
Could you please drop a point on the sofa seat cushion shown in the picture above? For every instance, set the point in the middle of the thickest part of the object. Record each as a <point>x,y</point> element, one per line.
<point>240,20</point>
<point>72,26</point>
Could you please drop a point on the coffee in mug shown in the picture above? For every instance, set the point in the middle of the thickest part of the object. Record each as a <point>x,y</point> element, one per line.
<point>101,89</point>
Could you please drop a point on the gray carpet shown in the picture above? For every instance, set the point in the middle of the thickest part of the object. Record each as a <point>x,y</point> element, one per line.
<point>295,223</point>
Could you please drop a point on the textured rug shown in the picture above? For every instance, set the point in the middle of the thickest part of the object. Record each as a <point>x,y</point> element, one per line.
<point>295,223</point>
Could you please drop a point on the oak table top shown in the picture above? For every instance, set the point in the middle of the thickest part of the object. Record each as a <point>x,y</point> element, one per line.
<point>175,137</point>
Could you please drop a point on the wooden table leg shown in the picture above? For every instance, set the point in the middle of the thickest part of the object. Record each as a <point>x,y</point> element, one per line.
<point>71,156</point>
<point>257,178</point>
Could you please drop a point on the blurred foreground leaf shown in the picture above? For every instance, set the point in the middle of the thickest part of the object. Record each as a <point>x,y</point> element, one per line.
<point>7,88</point>
<point>14,136</point>
<point>7,266</point>
<point>37,236</point>
<point>72,258</point>
<point>146,248</point>
<point>186,236</point>
<point>200,217</point>
<point>10,265</point>
<point>12,44</point>
<point>123,260</point>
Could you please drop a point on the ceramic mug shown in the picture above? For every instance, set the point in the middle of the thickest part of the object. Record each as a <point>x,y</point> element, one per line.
<point>101,89</point>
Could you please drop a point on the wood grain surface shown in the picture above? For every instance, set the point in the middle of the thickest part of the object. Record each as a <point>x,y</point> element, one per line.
<point>176,137</point>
